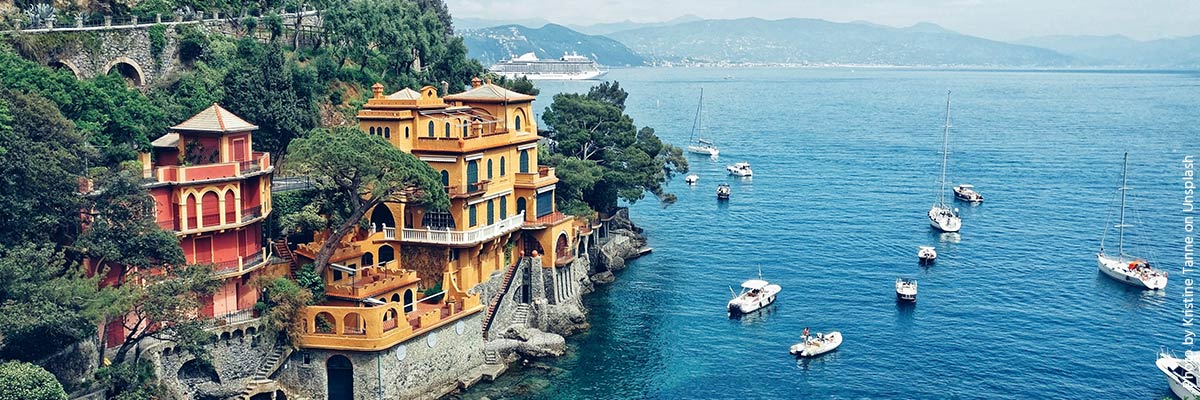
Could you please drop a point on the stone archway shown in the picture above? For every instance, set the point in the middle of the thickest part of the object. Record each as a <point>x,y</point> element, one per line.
<point>340,378</point>
<point>128,68</point>
<point>67,65</point>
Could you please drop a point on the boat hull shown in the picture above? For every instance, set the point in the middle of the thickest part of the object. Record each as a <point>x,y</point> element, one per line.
<point>1179,384</point>
<point>583,76</point>
<point>1118,270</point>
<point>742,305</point>
<point>941,221</point>
<point>968,198</point>
<point>906,297</point>
<point>707,151</point>
<point>815,349</point>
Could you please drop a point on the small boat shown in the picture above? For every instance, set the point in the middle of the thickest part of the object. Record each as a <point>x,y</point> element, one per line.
<point>723,191</point>
<point>967,193</point>
<point>1181,373</point>
<point>906,289</point>
<point>941,216</point>
<point>756,294</point>
<point>1123,267</point>
<point>926,254</point>
<point>812,346</point>
<point>692,179</point>
<point>740,169</point>
<point>699,145</point>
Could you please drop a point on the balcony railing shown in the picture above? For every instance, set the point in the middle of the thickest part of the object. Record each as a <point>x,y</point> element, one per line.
<point>377,327</point>
<point>458,191</point>
<point>251,213</point>
<point>543,174</point>
<point>449,237</point>
<point>192,173</point>
<point>370,282</point>
<point>241,265</point>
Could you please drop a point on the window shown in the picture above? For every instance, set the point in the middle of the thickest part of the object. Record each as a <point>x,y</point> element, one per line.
<point>504,207</point>
<point>387,132</point>
<point>337,275</point>
<point>545,203</point>
<point>466,131</point>
<point>524,161</point>
<point>453,254</point>
<point>372,131</point>
<point>437,219</point>
<point>489,169</point>
<point>518,123</point>
<point>471,215</point>
<point>430,128</point>
<point>472,175</point>
<point>445,178</point>
<point>447,129</point>
<point>491,211</point>
<point>406,132</point>
<point>501,165</point>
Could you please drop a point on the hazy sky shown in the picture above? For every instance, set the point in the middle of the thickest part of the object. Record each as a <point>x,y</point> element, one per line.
<point>993,19</point>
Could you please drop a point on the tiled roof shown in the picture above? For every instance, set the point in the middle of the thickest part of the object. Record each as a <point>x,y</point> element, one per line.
<point>215,119</point>
<point>490,92</point>
<point>405,94</point>
<point>168,140</point>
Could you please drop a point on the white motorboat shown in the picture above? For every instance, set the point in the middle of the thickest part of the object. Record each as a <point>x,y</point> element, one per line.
<point>926,254</point>
<point>1181,373</point>
<point>906,289</point>
<point>723,191</point>
<point>740,169</point>
<point>941,216</point>
<point>967,193</point>
<point>812,346</point>
<point>699,145</point>
<point>756,294</point>
<point>1123,267</point>
<point>692,179</point>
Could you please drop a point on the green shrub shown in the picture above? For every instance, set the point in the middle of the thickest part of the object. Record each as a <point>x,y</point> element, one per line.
<point>158,40</point>
<point>25,381</point>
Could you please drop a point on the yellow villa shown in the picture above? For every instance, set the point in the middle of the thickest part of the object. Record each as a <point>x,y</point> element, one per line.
<point>413,270</point>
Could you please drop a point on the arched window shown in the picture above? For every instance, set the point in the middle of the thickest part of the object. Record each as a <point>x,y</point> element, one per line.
<point>472,175</point>
<point>372,131</point>
<point>447,129</point>
<point>520,205</point>
<point>471,218</point>
<point>524,161</point>
<point>445,178</point>
<point>387,132</point>
<point>489,169</point>
<point>466,128</point>
<point>502,166</point>
<point>504,207</point>
<point>491,211</point>
<point>406,132</point>
<point>430,128</point>
<point>518,120</point>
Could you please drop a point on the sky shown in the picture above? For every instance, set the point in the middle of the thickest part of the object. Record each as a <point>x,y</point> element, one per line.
<point>992,19</point>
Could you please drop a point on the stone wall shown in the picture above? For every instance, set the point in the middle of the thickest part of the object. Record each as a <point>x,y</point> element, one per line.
<point>424,367</point>
<point>236,354</point>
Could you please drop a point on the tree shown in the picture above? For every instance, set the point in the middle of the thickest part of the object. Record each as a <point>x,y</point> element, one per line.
<point>273,92</point>
<point>520,84</point>
<point>593,136</point>
<point>361,171</point>
<point>282,306</point>
<point>41,160</point>
<point>123,230</point>
<point>164,304</point>
<point>25,381</point>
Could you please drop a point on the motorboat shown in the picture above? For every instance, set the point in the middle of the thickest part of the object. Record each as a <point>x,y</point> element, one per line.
<point>967,193</point>
<point>941,216</point>
<point>1123,267</point>
<point>1181,373</point>
<point>723,191</point>
<point>756,294</point>
<point>821,343</point>
<point>697,144</point>
<point>906,289</point>
<point>691,179</point>
<point>927,254</point>
<point>740,169</point>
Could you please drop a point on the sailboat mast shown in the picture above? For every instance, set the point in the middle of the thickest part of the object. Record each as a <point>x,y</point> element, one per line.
<point>945,152</point>
<point>1121,226</point>
<point>697,124</point>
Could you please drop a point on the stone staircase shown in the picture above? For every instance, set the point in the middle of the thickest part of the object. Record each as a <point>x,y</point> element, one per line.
<point>499,296</point>
<point>284,252</point>
<point>491,357</point>
<point>521,315</point>
<point>261,382</point>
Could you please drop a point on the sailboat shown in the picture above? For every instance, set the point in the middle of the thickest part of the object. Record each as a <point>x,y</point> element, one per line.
<point>1123,267</point>
<point>941,216</point>
<point>701,145</point>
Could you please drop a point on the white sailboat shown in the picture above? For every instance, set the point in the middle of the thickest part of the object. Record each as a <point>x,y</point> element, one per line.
<point>941,216</point>
<point>701,145</point>
<point>1123,267</point>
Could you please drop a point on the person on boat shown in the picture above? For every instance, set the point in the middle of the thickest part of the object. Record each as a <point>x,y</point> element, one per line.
<point>805,334</point>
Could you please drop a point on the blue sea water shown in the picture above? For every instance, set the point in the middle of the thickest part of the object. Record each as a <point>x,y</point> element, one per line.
<point>846,164</point>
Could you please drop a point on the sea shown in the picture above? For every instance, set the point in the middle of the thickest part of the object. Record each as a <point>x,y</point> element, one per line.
<point>846,164</point>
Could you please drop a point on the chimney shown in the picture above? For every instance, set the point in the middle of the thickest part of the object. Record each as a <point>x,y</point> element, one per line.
<point>476,82</point>
<point>377,90</point>
<point>445,88</point>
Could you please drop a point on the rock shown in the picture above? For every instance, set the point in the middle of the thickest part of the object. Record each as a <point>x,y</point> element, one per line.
<point>567,319</point>
<point>603,278</point>
<point>543,344</point>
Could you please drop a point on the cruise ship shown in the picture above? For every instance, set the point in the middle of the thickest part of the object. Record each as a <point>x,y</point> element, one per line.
<point>569,67</point>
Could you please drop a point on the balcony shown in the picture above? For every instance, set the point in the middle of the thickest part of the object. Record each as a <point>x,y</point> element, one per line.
<point>456,238</point>
<point>241,265</point>
<point>479,137</point>
<point>249,214</point>
<point>378,327</point>
<point>205,172</point>
<point>550,219</point>
<point>532,180</point>
<point>372,281</point>
<point>467,191</point>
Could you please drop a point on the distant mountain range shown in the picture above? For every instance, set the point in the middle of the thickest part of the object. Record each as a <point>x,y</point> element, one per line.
<point>489,45</point>
<point>819,42</point>
<point>691,40</point>
<point>1121,51</point>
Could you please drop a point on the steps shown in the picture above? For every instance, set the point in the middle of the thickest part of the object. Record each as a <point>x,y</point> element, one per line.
<point>499,296</point>
<point>521,315</point>
<point>261,382</point>
<point>491,357</point>
<point>284,252</point>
